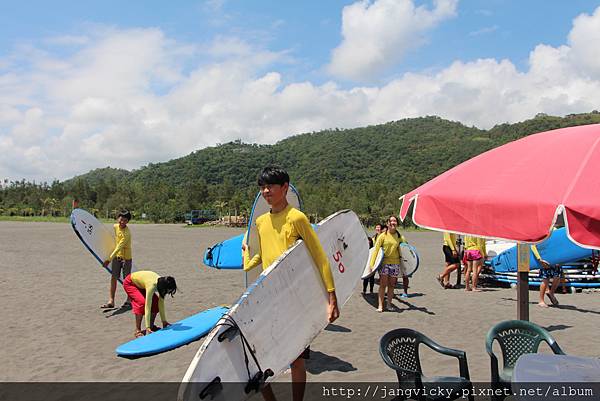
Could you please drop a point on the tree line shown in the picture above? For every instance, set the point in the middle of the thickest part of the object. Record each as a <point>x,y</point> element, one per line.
<point>364,169</point>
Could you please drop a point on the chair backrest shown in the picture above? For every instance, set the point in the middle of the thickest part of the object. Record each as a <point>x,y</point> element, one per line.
<point>518,337</point>
<point>400,350</point>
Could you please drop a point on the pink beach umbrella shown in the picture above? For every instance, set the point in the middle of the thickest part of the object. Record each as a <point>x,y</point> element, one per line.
<point>516,192</point>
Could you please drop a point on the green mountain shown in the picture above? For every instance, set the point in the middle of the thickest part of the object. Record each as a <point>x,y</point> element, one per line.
<point>365,169</point>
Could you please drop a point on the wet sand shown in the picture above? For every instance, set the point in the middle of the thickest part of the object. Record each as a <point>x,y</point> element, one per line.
<point>54,330</point>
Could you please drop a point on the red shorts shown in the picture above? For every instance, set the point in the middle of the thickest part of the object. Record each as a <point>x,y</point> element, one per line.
<point>138,297</point>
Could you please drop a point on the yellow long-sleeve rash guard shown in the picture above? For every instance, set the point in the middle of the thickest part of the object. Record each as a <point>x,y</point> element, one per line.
<point>536,253</point>
<point>148,280</point>
<point>277,232</point>
<point>450,240</point>
<point>123,243</point>
<point>476,243</point>
<point>390,243</point>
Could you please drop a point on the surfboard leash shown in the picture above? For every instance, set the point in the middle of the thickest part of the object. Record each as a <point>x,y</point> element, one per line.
<point>254,382</point>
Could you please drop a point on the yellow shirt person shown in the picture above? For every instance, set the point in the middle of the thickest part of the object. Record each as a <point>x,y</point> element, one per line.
<point>277,232</point>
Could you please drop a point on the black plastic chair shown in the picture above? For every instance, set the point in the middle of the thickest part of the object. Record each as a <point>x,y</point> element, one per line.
<point>400,351</point>
<point>516,338</point>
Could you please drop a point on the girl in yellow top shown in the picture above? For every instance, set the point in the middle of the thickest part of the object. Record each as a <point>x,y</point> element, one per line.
<point>391,268</point>
<point>475,253</point>
<point>141,287</point>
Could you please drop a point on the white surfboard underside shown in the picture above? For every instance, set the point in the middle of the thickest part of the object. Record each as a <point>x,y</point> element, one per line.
<point>368,272</point>
<point>96,236</point>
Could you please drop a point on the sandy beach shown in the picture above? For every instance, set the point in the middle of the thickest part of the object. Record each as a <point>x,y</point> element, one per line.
<point>54,330</point>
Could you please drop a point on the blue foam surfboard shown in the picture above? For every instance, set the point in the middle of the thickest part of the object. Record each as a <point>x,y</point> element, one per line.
<point>558,248</point>
<point>226,254</point>
<point>183,332</point>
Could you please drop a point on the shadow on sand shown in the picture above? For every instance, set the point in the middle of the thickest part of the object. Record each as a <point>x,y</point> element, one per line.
<point>116,311</point>
<point>320,362</point>
<point>337,328</point>
<point>556,327</point>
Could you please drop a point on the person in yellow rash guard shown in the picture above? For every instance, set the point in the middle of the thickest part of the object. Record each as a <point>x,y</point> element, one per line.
<point>277,232</point>
<point>452,260</point>
<point>391,268</point>
<point>370,282</point>
<point>120,257</point>
<point>475,252</point>
<point>547,272</point>
<point>141,287</point>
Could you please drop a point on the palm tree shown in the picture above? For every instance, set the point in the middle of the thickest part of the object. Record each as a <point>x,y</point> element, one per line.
<point>220,205</point>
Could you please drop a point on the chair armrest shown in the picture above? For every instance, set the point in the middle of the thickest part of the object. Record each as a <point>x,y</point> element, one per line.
<point>495,375</point>
<point>458,354</point>
<point>443,350</point>
<point>556,349</point>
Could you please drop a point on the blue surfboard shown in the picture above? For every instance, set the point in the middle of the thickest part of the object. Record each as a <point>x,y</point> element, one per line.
<point>556,249</point>
<point>183,332</point>
<point>226,254</point>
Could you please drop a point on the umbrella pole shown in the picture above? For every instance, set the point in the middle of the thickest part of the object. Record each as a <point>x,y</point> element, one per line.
<point>523,281</point>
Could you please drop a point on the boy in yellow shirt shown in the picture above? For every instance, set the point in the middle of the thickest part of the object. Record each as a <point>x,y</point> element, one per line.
<point>278,230</point>
<point>120,257</point>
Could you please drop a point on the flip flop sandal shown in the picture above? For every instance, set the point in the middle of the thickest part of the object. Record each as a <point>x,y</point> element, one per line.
<point>138,333</point>
<point>107,306</point>
<point>439,279</point>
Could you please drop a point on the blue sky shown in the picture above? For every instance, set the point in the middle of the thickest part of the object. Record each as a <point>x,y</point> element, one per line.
<point>162,79</point>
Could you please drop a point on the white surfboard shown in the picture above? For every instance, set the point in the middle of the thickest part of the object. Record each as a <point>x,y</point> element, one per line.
<point>494,248</point>
<point>95,236</point>
<point>409,258</point>
<point>278,316</point>
<point>259,208</point>
<point>368,272</point>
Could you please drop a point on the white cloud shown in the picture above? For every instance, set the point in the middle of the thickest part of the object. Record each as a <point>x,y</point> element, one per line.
<point>584,39</point>
<point>484,31</point>
<point>129,97</point>
<point>377,35</point>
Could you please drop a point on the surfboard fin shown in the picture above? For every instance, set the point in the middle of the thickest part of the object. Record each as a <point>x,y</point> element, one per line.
<point>211,389</point>
<point>228,334</point>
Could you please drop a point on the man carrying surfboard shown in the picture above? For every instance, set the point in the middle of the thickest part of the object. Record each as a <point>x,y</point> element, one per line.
<point>120,257</point>
<point>278,230</point>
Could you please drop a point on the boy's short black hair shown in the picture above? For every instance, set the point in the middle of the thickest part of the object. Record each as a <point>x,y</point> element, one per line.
<point>273,175</point>
<point>124,213</point>
<point>166,285</point>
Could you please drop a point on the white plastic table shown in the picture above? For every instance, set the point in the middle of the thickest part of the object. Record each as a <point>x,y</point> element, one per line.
<point>542,368</point>
<point>551,377</point>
